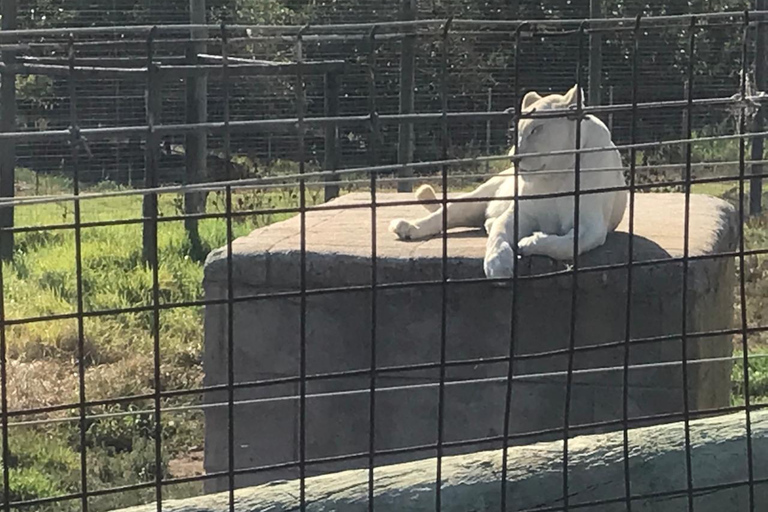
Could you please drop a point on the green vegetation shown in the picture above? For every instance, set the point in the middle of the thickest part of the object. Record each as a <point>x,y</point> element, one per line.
<point>118,349</point>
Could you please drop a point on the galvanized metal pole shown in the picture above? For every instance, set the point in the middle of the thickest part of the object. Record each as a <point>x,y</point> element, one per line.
<point>595,55</point>
<point>683,125</point>
<point>610,115</point>
<point>151,150</point>
<point>196,151</point>
<point>761,82</point>
<point>331,162</point>
<point>488,129</point>
<point>407,86</point>
<point>7,124</point>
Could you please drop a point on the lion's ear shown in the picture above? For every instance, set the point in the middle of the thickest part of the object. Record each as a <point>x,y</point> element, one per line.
<point>571,97</point>
<point>530,98</point>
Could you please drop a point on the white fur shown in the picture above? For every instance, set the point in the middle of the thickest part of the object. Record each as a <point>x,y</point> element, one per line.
<point>545,225</point>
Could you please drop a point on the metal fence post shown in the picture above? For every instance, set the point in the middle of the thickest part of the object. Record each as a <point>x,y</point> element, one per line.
<point>7,124</point>
<point>595,55</point>
<point>152,146</point>
<point>407,84</point>
<point>610,115</point>
<point>683,125</point>
<point>489,107</point>
<point>761,83</point>
<point>331,161</point>
<point>196,150</point>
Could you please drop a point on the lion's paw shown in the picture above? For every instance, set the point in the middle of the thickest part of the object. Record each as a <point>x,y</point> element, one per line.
<point>531,245</point>
<point>403,229</point>
<point>500,262</point>
<point>426,193</point>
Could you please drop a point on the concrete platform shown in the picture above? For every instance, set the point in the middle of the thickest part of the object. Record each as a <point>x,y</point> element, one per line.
<point>338,328</point>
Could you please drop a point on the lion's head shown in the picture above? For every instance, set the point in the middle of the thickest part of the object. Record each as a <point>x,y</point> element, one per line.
<point>540,135</point>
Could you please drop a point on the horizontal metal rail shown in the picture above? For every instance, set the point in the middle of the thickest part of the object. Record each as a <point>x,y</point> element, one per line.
<point>383,26</point>
<point>250,183</point>
<point>171,71</point>
<point>429,117</point>
<point>430,384</point>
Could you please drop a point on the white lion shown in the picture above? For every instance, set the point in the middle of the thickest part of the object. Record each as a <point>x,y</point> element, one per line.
<point>545,224</point>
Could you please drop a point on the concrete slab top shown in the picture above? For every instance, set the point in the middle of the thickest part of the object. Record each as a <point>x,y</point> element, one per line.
<point>339,236</point>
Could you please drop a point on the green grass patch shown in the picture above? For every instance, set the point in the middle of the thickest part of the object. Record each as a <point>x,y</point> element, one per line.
<point>41,281</point>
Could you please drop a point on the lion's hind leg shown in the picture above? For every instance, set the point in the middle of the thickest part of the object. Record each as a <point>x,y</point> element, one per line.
<point>460,214</point>
<point>427,193</point>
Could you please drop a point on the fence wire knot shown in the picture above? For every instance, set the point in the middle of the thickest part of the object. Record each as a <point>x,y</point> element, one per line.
<point>751,102</point>
<point>79,140</point>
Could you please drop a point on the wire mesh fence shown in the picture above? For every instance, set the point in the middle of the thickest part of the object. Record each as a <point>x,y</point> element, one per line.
<point>108,117</point>
<point>480,79</point>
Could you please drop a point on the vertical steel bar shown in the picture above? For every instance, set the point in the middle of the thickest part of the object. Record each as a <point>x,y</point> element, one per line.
<point>630,259</point>
<point>149,204</point>
<point>595,55</point>
<point>761,83</point>
<point>154,106</point>
<point>300,113</point>
<point>75,149</point>
<point>8,120</point>
<point>610,115</point>
<point>196,151</point>
<point>407,89</point>
<point>373,157</point>
<point>7,124</point>
<point>516,102</point>
<point>575,280</point>
<point>226,84</point>
<point>331,162</point>
<point>686,253</point>
<point>4,396</point>
<point>444,287</point>
<point>742,265</point>
<point>684,119</point>
<point>489,107</point>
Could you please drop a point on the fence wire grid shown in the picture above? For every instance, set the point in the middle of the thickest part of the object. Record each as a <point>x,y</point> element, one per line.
<point>218,129</point>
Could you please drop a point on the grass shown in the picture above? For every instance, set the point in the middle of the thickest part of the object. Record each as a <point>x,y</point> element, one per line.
<point>40,281</point>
